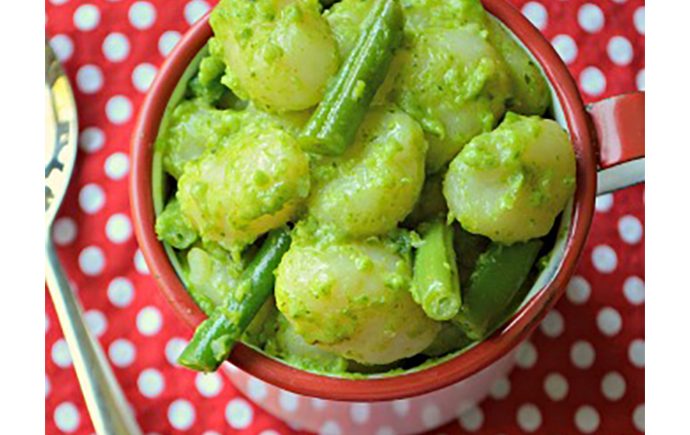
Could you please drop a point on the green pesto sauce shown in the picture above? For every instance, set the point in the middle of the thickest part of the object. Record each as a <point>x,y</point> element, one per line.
<point>210,152</point>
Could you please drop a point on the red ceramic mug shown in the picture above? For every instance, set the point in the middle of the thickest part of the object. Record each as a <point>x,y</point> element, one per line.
<point>608,138</point>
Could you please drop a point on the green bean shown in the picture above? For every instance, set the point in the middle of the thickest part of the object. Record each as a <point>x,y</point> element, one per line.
<point>215,337</point>
<point>334,124</point>
<point>500,273</point>
<point>435,283</point>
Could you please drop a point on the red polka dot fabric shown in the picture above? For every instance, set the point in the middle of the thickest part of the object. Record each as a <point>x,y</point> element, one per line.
<point>581,372</point>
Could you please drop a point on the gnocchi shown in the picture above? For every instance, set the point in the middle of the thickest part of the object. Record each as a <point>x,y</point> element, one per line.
<point>510,184</point>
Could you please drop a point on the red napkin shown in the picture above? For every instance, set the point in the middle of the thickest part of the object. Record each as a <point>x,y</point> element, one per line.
<point>582,371</point>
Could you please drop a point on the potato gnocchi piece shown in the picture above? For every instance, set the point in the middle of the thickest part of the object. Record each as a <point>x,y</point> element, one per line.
<point>279,53</point>
<point>212,275</point>
<point>454,84</point>
<point>253,184</point>
<point>353,299</point>
<point>195,126</point>
<point>376,183</point>
<point>510,184</point>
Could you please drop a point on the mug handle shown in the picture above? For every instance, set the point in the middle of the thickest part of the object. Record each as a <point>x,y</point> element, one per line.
<point>619,124</point>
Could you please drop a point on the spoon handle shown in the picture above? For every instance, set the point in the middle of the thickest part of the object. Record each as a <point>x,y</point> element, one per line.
<point>109,410</point>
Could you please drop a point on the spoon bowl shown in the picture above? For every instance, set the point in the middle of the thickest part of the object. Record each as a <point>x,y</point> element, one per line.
<point>61,135</point>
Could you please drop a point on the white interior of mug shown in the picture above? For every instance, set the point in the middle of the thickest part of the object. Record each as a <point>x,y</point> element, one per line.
<point>551,268</point>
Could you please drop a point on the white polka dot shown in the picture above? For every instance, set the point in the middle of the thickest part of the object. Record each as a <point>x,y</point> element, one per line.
<point>47,386</point>
<point>500,388</point>
<point>636,353</point>
<point>578,290</point>
<point>639,80</point>
<point>590,17</point>
<point>638,19</point>
<point>89,79</point>
<point>239,414</point>
<point>91,139</point>
<point>142,15</point>
<point>582,354</point>
<point>593,81</point>
<point>91,198</point>
<point>536,13</point>
<point>330,428</point>
<point>150,383</point>
<point>86,17</point>
<point>472,419</point>
<point>633,288</point>
<point>149,321</point>
<point>140,263</point>
<point>431,416</point>
<point>385,430</point>
<point>604,202</point>
<point>47,324</point>
<point>620,50</point>
<point>66,417</point>
<point>526,355</point>
<point>122,352</point>
<point>194,10</point>
<point>556,386</point>
<point>143,76</point>
<point>401,407</point>
<point>288,401</point>
<point>566,47</point>
<point>60,355</point>
<point>116,166</point>
<point>118,109</point>
<point>96,322</point>
<point>64,231</point>
<point>120,292</point>
<point>604,259</point>
<point>529,417</point>
<point>609,321</point>
<point>638,417</point>
<point>116,47</point>
<point>58,2</point>
<point>91,260</point>
<point>587,419</point>
<point>359,412</point>
<point>167,42</point>
<point>630,229</point>
<point>174,348</point>
<point>257,391</point>
<point>208,384</point>
<point>118,229</point>
<point>62,46</point>
<point>318,403</point>
<point>181,414</point>
<point>553,324</point>
<point>613,386</point>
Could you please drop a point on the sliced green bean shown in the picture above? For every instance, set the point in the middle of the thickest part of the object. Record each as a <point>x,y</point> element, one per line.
<point>334,124</point>
<point>435,283</point>
<point>499,275</point>
<point>215,337</point>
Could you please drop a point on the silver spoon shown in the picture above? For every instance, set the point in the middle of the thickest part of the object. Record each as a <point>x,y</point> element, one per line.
<point>110,412</point>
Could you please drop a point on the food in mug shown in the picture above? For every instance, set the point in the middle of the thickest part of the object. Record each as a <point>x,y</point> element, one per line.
<point>359,187</point>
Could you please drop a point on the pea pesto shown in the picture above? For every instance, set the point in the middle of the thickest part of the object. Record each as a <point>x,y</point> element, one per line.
<point>361,188</point>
